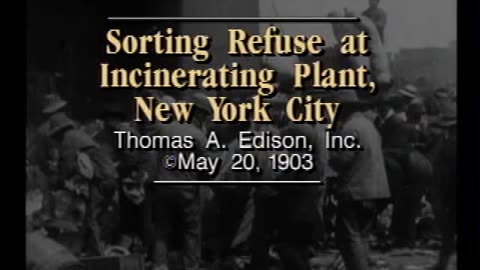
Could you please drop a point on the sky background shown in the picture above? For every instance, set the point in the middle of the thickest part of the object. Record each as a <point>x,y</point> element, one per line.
<point>410,23</point>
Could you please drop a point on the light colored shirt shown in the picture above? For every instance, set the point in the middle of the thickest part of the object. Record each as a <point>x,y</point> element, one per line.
<point>361,172</point>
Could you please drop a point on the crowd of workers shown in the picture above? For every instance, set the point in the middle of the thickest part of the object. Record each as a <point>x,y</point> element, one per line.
<point>94,199</point>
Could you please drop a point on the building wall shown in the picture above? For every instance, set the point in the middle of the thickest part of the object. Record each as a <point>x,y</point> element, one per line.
<point>435,67</point>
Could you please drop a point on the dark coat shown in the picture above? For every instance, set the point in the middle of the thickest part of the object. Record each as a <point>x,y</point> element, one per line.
<point>298,206</point>
<point>445,174</point>
<point>396,133</point>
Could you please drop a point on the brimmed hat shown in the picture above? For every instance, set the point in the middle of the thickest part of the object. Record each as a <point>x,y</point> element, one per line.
<point>447,119</point>
<point>135,176</point>
<point>442,92</point>
<point>417,106</point>
<point>53,103</point>
<point>59,122</point>
<point>408,91</point>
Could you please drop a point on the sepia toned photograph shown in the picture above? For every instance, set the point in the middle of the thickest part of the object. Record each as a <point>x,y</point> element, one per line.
<point>241,135</point>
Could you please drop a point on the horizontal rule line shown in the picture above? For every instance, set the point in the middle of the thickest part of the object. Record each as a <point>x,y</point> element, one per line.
<point>239,19</point>
<point>213,182</point>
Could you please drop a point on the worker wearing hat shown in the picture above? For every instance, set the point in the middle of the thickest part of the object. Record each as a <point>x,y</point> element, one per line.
<point>131,201</point>
<point>362,180</point>
<point>416,171</point>
<point>441,93</point>
<point>447,120</point>
<point>268,211</point>
<point>41,149</point>
<point>167,203</point>
<point>394,121</point>
<point>297,216</point>
<point>52,104</point>
<point>416,118</point>
<point>398,137</point>
<point>409,91</point>
<point>444,184</point>
<point>415,110</point>
<point>438,102</point>
<point>81,155</point>
<point>62,129</point>
<point>292,211</point>
<point>236,226</point>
